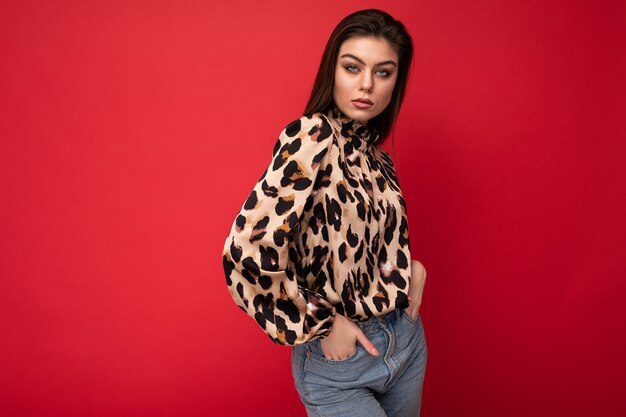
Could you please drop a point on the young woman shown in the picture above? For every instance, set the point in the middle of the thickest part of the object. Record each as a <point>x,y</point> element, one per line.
<point>319,254</point>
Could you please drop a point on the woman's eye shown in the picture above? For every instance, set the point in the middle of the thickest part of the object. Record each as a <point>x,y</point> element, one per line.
<point>352,68</point>
<point>383,73</point>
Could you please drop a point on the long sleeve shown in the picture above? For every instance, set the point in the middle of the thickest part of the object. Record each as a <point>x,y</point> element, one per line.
<point>260,275</point>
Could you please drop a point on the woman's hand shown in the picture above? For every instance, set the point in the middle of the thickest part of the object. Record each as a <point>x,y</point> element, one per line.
<point>341,342</point>
<point>418,279</point>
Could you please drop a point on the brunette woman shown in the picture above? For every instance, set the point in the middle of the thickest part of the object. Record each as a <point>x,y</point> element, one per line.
<point>319,253</point>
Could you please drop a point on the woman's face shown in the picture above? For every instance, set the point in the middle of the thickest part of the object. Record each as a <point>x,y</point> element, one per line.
<point>365,76</point>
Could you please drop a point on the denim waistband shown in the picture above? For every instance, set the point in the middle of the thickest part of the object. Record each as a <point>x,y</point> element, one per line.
<point>376,321</point>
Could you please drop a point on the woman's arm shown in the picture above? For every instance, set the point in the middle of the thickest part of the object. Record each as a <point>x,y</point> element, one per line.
<point>416,289</point>
<point>256,252</point>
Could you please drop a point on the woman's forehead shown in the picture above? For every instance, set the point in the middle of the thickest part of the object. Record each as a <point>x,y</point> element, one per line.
<point>368,48</point>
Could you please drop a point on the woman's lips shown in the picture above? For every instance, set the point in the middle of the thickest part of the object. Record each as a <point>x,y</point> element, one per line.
<point>362,103</point>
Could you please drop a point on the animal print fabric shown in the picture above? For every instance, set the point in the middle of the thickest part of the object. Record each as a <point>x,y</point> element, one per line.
<point>323,232</point>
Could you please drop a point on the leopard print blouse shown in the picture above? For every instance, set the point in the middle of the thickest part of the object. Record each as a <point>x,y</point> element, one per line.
<point>323,232</point>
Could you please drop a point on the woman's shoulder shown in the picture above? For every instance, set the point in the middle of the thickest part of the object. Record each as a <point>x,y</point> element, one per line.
<point>315,125</point>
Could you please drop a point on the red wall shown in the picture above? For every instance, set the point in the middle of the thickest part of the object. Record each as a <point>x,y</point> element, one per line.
<point>131,133</point>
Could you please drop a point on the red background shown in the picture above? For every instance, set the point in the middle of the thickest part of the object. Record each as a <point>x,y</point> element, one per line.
<point>133,131</point>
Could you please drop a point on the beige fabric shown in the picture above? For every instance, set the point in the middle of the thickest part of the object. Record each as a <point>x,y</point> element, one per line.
<point>324,231</point>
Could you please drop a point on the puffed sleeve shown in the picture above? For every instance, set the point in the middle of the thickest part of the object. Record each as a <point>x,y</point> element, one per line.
<point>259,274</point>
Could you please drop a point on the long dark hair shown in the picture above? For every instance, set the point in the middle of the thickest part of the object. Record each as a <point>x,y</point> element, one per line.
<point>373,23</point>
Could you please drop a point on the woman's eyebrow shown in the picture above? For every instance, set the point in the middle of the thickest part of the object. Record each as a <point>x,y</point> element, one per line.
<point>361,61</point>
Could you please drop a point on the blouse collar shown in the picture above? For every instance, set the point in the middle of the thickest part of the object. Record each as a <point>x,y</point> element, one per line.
<point>356,132</point>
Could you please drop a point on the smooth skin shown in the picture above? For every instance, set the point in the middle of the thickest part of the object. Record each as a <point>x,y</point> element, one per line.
<point>366,69</point>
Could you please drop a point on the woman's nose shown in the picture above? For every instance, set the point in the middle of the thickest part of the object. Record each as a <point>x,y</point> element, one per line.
<point>366,82</point>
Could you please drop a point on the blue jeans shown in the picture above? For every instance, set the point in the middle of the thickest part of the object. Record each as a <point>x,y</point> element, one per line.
<point>389,385</point>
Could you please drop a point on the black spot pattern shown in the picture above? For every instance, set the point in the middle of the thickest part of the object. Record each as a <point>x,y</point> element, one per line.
<point>326,221</point>
<point>251,201</point>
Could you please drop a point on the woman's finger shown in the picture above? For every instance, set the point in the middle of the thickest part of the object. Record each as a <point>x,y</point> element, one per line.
<point>365,342</point>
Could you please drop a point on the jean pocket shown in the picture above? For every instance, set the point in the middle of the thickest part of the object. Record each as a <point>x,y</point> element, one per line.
<point>316,353</point>
<point>407,315</point>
